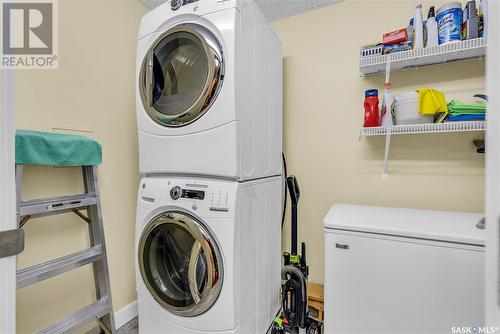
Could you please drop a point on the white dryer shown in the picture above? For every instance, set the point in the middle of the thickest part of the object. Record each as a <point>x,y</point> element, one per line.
<point>209,91</point>
<point>208,255</point>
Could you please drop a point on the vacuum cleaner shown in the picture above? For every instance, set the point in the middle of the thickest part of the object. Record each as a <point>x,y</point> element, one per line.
<point>294,317</point>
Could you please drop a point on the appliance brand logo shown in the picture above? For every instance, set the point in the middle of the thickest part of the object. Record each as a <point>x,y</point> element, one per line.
<point>342,246</point>
<point>29,34</point>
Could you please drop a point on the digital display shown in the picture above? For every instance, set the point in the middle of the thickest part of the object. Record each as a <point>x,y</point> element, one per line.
<point>193,194</point>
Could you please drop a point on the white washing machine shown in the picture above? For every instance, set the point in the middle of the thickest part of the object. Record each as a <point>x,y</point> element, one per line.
<point>208,255</point>
<point>209,91</point>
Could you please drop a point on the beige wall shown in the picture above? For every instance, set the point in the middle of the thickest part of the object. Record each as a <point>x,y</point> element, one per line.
<point>93,90</point>
<point>323,96</point>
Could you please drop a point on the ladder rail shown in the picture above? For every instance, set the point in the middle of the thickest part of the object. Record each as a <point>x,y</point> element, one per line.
<point>96,231</point>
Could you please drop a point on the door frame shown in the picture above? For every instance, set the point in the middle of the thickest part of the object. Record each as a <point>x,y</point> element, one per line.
<point>493,168</point>
<point>7,200</point>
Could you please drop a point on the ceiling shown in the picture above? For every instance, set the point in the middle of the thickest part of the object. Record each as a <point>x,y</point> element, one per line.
<point>273,9</point>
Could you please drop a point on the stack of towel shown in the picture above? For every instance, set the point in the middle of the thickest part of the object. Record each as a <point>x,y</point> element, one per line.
<point>459,111</point>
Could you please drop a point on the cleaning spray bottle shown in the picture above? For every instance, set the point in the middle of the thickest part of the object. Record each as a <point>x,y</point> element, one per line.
<point>419,28</point>
<point>483,18</point>
<point>432,30</point>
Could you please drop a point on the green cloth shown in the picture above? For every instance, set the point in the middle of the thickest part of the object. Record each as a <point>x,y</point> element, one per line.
<point>456,108</point>
<point>56,149</point>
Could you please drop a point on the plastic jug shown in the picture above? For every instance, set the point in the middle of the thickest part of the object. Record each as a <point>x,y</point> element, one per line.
<point>372,115</point>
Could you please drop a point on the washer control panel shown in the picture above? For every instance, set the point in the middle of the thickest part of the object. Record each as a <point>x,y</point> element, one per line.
<point>216,199</point>
<point>209,198</point>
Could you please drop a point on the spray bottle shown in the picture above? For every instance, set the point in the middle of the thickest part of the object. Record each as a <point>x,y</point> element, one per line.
<point>419,28</point>
<point>432,30</point>
<point>483,18</point>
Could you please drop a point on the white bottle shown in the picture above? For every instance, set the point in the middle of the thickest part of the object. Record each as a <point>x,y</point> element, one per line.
<point>432,29</point>
<point>419,28</point>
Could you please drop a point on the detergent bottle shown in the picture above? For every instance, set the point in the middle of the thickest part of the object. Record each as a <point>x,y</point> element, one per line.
<point>372,116</point>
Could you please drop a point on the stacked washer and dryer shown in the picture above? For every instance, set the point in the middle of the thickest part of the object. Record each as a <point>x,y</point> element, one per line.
<point>209,116</point>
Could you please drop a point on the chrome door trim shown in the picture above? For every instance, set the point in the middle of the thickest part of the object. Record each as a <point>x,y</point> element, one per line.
<point>193,266</point>
<point>149,77</point>
<point>213,83</point>
<point>211,251</point>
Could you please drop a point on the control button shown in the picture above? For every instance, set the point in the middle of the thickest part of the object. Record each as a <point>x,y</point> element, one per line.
<point>176,192</point>
<point>176,4</point>
<point>195,207</point>
<point>219,198</point>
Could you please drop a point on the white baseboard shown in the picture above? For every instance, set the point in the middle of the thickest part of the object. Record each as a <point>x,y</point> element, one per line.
<point>126,314</point>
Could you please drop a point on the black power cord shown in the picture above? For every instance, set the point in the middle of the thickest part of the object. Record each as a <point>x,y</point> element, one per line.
<point>286,190</point>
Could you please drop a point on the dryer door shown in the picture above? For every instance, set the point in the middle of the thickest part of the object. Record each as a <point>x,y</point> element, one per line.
<point>180,263</point>
<point>181,75</point>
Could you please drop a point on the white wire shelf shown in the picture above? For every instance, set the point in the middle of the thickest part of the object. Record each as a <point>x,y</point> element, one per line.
<point>435,55</point>
<point>425,128</point>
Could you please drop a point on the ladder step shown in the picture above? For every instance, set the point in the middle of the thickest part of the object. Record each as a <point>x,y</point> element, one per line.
<point>56,205</point>
<point>43,271</point>
<point>79,318</point>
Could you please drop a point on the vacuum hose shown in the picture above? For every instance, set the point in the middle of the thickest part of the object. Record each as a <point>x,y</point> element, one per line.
<point>297,275</point>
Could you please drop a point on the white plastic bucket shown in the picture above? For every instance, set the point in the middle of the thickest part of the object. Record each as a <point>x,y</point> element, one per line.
<point>406,109</point>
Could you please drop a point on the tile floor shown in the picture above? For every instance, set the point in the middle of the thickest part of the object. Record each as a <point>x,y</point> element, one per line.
<point>131,327</point>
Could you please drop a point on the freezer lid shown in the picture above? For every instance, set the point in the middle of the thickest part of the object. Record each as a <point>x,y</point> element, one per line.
<point>458,227</point>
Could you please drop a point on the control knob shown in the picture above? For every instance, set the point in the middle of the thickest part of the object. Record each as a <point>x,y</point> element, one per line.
<point>176,4</point>
<point>176,192</point>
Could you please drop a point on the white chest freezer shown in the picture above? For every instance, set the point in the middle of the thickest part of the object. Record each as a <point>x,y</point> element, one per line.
<point>393,270</point>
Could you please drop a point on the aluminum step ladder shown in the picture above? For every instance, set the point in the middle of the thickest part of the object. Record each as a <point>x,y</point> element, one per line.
<point>102,310</point>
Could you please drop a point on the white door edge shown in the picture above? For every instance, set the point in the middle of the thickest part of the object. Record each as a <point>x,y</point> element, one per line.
<point>7,201</point>
<point>493,168</point>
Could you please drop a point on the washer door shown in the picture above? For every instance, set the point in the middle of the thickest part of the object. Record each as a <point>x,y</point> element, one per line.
<point>181,75</point>
<point>180,263</point>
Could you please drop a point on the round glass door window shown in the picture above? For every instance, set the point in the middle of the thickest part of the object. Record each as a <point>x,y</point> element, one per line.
<point>180,263</point>
<point>181,75</point>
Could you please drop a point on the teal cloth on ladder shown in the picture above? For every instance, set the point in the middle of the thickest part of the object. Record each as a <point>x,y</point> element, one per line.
<point>56,149</point>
